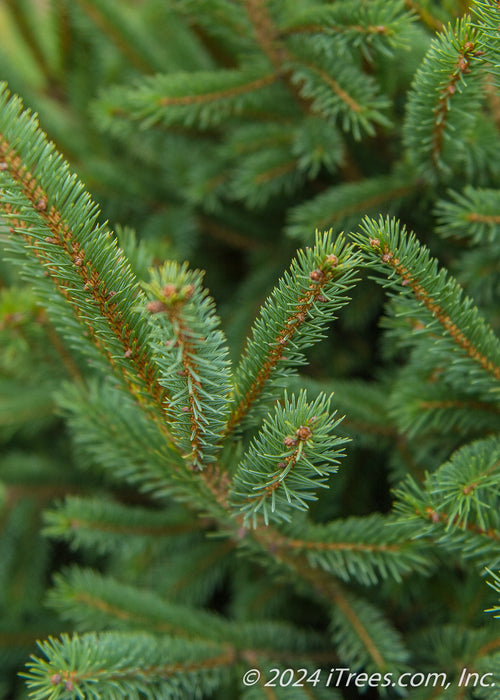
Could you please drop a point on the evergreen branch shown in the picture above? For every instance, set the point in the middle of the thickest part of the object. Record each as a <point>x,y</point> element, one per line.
<point>457,508</point>
<point>381,24</point>
<point>112,431</point>
<point>192,355</point>
<point>123,32</point>
<point>459,326</point>
<point>290,457</point>
<point>424,14</point>
<point>266,32</point>
<point>460,650</point>
<point>464,492</point>
<point>363,549</point>
<point>365,638</point>
<point>292,319</point>
<point>107,526</point>
<point>351,96</point>
<point>445,99</point>
<point>219,95</point>
<point>204,99</point>
<point>95,602</point>
<point>266,174</point>
<point>272,159</point>
<point>206,562</point>
<point>471,214</point>
<point>136,665</point>
<point>67,360</point>
<point>79,257</point>
<point>343,205</point>
<point>488,14</point>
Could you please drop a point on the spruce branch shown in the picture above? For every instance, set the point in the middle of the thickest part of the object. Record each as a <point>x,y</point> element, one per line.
<point>380,25</point>
<point>115,605</point>
<point>445,100</point>
<point>365,638</point>
<point>124,33</point>
<point>292,319</point>
<point>413,277</point>
<point>137,664</point>
<point>351,97</point>
<point>109,527</point>
<point>191,353</point>
<point>457,507</point>
<point>487,14</point>
<point>424,14</point>
<point>290,457</point>
<point>95,603</point>
<point>364,549</point>
<point>50,210</point>
<point>423,402</point>
<point>464,490</point>
<point>471,214</point>
<point>342,206</point>
<point>266,32</point>
<point>204,99</point>
<point>112,431</point>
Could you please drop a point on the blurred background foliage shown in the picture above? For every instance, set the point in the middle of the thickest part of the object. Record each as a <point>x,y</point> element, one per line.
<point>235,187</point>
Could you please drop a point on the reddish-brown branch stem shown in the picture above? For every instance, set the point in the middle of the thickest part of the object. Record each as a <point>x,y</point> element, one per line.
<point>461,67</point>
<point>186,100</point>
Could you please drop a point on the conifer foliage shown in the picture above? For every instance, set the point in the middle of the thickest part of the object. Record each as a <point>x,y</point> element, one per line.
<point>267,472</point>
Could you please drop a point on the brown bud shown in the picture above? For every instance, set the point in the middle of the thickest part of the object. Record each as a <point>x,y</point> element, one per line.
<point>332,260</point>
<point>301,317</point>
<point>451,89</point>
<point>316,275</point>
<point>185,409</point>
<point>128,353</point>
<point>41,204</point>
<point>386,257</point>
<point>3,166</point>
<point>281,465</point>
<point>78,261</point>
<point>69,685</point>
<point>374,242</point>
<point>156,307</point>
<point>303,433</point>
<point>56,678</point>
<point>169,290</point>
<point>290,442</point>
<point>321,298</point>
<point>50,239</point>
